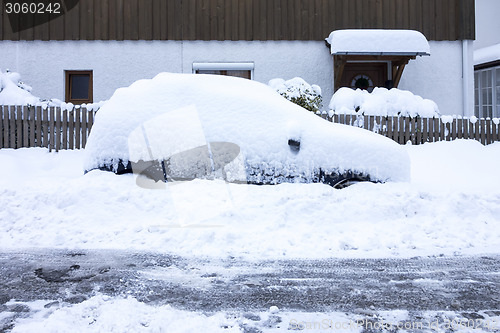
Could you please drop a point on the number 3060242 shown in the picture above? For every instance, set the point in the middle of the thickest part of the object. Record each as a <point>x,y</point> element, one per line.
<point>33,8</point>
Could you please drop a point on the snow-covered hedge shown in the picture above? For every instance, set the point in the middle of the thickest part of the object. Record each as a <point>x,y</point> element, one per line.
<point>382,102</point>
<point>298,91</point>
<point>15,92</point>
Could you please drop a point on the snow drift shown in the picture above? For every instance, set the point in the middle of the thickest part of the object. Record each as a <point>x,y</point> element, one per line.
<point>382,102</point>
<point>157,118</point>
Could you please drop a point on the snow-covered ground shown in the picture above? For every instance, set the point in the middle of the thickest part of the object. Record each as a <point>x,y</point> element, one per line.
<point>451,205</point>
<point>106,314</point>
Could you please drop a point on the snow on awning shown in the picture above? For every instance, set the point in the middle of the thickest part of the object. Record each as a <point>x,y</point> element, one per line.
<point>378,42</point>
<point>487,55</point>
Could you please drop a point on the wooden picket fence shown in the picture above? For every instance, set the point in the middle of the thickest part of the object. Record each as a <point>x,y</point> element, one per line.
<point>419,130</point>
<point>55,129</point>
<point>51,127</point>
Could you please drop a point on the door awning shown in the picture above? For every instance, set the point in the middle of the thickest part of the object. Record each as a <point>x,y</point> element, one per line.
<point>378,42</point>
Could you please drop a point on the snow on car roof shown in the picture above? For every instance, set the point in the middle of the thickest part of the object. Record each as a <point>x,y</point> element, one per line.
<point>378,41</point>
<point>487,54</point>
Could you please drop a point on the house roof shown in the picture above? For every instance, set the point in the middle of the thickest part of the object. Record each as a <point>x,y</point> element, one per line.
<point>378,42</point>
<point>238,19</point>
<point>487,55</point>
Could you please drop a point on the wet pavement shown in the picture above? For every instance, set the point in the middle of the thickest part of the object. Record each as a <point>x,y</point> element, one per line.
<point>463,284</point>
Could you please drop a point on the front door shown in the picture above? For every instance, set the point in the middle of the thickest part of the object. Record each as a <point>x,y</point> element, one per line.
<point>365,75</point>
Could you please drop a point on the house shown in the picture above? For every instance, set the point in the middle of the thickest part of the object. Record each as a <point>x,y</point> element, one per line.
<point>88,48</point>
<point>487,60</point>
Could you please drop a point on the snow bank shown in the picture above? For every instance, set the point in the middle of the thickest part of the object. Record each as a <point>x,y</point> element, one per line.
<point>154,119</point>
<point>378,41</point>
<point>487,54</point>
<point>114,314</point>
<point>382,102</point>
<point>447,208</point>
<point>106,314</point>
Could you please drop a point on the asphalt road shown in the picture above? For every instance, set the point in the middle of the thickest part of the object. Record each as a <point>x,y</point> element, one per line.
<point>462,284</point>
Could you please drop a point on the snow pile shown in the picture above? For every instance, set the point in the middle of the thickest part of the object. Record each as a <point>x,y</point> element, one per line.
<point>487,54</point>
<point>114,314</point>
<point>298,91</point>
<point>106,314</point>
<point>382,102</point>
<point>447,208</point>
<point>13,91</point>
<point>378,41</point>
<point>174,113</point>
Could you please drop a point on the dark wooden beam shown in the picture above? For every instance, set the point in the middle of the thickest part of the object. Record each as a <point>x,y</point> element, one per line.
<point>338,69</point>
<point>397,71</point>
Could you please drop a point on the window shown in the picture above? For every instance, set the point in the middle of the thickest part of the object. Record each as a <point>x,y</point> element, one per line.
<point>79,87</point>
<point>238,69</point>
<point>487,93</point>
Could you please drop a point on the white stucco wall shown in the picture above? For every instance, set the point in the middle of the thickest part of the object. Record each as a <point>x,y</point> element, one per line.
<point>487,23</point>
<point>439,77</point>
<point>118,64</point>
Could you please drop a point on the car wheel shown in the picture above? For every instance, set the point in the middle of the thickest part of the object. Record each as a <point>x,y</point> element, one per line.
<point>340,181</point>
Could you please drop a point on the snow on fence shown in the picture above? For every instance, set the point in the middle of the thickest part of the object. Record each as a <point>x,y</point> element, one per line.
<point>51,127</point>
<point>54,128</point>
<point>421,130</point>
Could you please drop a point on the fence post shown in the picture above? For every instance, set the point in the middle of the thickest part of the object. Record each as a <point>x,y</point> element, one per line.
<point>25,124</point>
<point>84,127</point>
<point>71,134</point>
<point>482,129</point>
<point>51,128</point>
<point>31,126</point>
<point>19,126</point>
<point>58,129</point>
<point>460,125</point>
<point>45,128</point>
<point>78,113</point>
<point>91,121</point>
<point>64,129</point>
<point>1,126</point>
<point>454,128</point>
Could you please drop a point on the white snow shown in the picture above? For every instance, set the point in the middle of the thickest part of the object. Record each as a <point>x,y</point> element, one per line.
<point>382,102</point>
<point>378,41</point>
<point>13,91</point>
<point>487,54</point>
<point>106,314</point>
<point>451,206</point>
<point>153,119</point>
<point>294,87</point>
<point>447,119</point>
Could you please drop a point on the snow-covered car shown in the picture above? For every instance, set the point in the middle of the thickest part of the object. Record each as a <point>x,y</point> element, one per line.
<point>186,126</point>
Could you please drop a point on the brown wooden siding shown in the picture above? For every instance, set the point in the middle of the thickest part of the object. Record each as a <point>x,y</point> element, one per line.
<point>246,19</point>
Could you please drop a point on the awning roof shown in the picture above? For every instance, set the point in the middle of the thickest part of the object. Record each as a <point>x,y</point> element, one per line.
<point>487,54</point>
<point>378,42</point>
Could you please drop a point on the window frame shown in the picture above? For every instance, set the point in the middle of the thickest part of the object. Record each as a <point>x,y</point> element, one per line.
<point>68,74</point>
<point>224,66</point>
<point>479,75</point>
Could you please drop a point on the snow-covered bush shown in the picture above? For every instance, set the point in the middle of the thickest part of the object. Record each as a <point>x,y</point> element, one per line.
<point>382,102</point>
<point>298,91</point>
<point>13,91</point>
